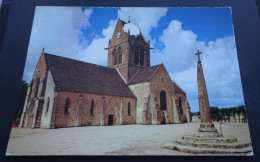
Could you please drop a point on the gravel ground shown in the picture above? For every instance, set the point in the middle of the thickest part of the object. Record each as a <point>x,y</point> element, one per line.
<point>109,140</point>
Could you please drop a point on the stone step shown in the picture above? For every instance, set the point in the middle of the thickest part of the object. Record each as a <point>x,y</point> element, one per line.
<point>226,139</point>
<point>235,145</point>
<point>196,150</point>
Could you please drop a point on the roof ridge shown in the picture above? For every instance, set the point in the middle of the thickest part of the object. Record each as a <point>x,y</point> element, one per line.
<point>155,71</point>
<point>133,76</point>
<point>137,73</point>
<point>77,60</point>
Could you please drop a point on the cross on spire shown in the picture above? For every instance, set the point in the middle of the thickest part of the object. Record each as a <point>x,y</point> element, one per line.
<point>198,55</point>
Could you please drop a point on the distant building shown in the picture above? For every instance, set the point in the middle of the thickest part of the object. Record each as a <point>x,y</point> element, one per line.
<point>238,118</point>
<point>66,92</point>
<point>195,117</point>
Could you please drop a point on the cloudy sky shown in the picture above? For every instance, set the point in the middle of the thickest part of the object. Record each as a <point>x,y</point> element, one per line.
<point>175,33</point>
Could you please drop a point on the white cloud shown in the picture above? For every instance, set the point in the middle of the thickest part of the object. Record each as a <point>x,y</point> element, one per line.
<point>219,60</point>
<point>95,52</point>
<point>57,29</point>
<point>132,28</point>
<point>180,46</point>
<point>145,18</point>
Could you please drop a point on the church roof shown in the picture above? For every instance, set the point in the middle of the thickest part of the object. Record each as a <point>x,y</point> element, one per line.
<point>144,74</point>
<point>177,88</point>
<point>77,76</point>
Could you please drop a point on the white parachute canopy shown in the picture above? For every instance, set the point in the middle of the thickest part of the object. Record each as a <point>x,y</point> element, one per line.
<point>134,30</point>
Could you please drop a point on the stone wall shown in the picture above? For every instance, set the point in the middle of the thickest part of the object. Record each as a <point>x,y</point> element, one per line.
<point>79,109</point>
<point>32,112</point>
<point>161,81</point>
<point>141,91</point>
<point>49,101</point>
<point>183,108</point>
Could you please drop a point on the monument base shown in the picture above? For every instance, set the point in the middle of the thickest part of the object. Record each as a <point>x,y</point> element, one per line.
<point>208,141</point>
<point>207,130</point>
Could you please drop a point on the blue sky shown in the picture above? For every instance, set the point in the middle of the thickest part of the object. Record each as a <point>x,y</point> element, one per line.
<point>175,33</point>
<point>208,23</point>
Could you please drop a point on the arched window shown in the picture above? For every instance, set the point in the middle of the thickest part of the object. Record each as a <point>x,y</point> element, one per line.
<point>92,108</point>
<point>37,86</point>
<point>119,58</point>
<point>141,57</point>
<point>129,109</point>
<point>119,52</point>
<point>115,56</point>
<point>163,101</point>
<point>43,86</point>
<point>67,103</point>
<point>180,105</point>
<point>48,104</point>
<point>162,80</point>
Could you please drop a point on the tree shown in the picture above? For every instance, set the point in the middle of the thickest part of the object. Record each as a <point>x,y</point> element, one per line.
<point>241,110</point>
<point>228,111</point>
<point>224,113</point>
<point>214,112</point>
<point>23,91</point>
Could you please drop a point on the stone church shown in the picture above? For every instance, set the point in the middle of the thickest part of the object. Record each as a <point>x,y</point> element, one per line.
<point>66,92</point>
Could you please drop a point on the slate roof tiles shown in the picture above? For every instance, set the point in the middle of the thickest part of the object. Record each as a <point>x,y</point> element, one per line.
<point>144,75</point>
<point>78,76</point>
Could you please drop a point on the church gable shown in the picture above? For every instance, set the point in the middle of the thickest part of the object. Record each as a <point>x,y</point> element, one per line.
<point>38,82</point>
<point>161,81</point>
<point>119,35</point>
<point>144,75</point>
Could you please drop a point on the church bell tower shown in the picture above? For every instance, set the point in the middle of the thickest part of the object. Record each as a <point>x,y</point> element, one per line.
<point>128,51</point>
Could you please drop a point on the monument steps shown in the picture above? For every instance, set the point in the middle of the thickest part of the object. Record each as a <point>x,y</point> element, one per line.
<point>203,150</point>
<point>226,139</point>
<point>235,145</point>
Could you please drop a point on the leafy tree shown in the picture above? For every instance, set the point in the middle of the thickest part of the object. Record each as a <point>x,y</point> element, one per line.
<point>238,110</point>
<point>224,113</point>
<point>23,90</point>
<point>214,112</point>
<point>228,113</point>
<point>241,110</point>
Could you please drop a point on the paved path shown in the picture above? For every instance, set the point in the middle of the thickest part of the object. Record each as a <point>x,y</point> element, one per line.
<point>108,140</point>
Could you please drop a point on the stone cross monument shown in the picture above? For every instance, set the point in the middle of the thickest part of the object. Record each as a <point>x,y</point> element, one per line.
<point>206,126</point>
<point>207,140</point>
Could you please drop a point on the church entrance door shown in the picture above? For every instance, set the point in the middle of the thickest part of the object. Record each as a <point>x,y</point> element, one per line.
<point>164,120</point>
<point>110,119</point>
